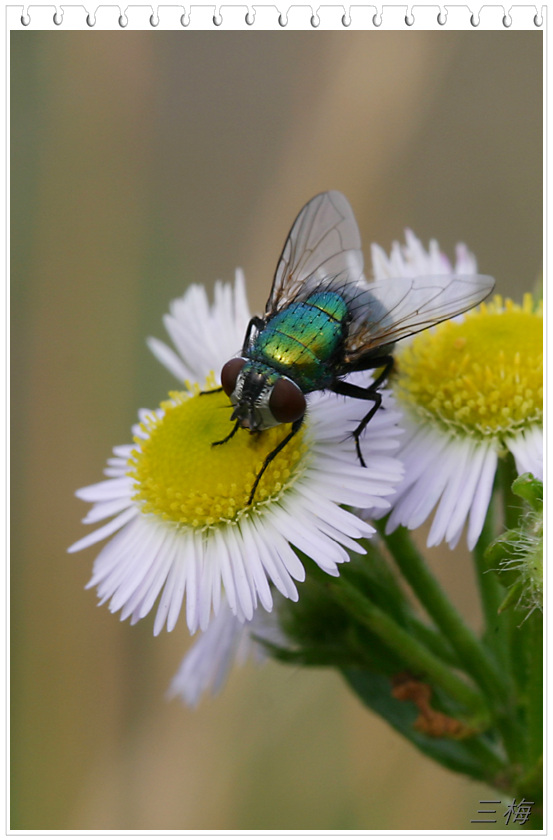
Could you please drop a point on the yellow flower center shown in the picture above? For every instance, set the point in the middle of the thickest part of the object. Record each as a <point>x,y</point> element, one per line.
<point>482,376</point>
<point>180,476</point>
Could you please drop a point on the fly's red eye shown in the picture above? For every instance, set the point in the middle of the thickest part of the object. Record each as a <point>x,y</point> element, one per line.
<point>229,374</point>
<point>287,402</point>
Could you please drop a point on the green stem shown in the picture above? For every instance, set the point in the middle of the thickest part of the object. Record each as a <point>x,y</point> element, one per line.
<point>434,641</point>
<point>512,504</point>
<point>472,654</point>
<point>512,511</point>
<point>525,658</point>
<point>408,648</point>
<point>534,688</point>
<point>492,593</point>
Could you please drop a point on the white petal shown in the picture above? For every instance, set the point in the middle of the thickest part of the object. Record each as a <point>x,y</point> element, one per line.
<point>482,497</point>
<point>123,451</point>
<point>192,555</point>
<point>243,577</point>
<point>326,553</point>
<point>289,558</point>
<point>105,531</point>
<point>527,449</point>
<point>452,491</point>
<point>147,555</point>
<point>112,555</point>
<point>145,596</point>
<point>226,569</point>
<point>206,665</point>
<point>117,488</point>
<point>258,574</point>
<point>184,581</point>
<point>169,359</point>
<point>465,496</point>
<point>424,495</point>
<point>176,573</point>
<point>335,533</point>
<point>273,565</point>
<point>102,510</point>
<point>208,583</point>
<point>343,519</point>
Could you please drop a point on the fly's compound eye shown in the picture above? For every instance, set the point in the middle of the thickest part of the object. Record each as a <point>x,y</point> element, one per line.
<point>229,374</point>
<point>287,402</point>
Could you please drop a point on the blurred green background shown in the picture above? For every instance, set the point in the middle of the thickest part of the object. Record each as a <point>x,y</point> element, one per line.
<point>142,162</point>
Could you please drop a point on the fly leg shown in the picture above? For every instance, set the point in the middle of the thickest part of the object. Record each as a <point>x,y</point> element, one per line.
<point>255,323</point>
<point>348,389</point>
<point>235,427</point>
<point>272,455</point>
<point>229,436</point>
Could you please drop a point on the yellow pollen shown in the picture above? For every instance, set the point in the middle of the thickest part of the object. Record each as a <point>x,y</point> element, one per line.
<point>179,476</point>
<point>483,376</point>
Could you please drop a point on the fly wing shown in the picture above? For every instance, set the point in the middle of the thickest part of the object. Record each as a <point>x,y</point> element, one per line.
<point>324,242</point>
<point>388,310</point>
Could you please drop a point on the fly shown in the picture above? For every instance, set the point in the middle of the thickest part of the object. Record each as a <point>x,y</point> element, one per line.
<point>324,320</point>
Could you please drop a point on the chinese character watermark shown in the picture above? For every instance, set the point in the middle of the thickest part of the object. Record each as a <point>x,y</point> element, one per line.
<point>518,813</point>
<point>487,810</point>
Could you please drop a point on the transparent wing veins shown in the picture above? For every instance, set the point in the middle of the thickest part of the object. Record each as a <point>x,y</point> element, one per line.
<point>323,242</point>
<point>395,308</point>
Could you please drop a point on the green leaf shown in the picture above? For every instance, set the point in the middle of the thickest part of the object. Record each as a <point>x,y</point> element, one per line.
<point>474,756</point>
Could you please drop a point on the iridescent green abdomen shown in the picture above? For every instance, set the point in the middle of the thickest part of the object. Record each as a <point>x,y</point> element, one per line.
<point>302,340</point>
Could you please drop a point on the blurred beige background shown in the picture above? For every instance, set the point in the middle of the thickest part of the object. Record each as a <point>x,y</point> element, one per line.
<point>141,162</point>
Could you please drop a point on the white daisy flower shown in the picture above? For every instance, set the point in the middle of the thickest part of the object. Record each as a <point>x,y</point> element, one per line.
<point>183,523</point>
<point>471,389</point>
<point>205,336</point>
<point>411,260</point>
